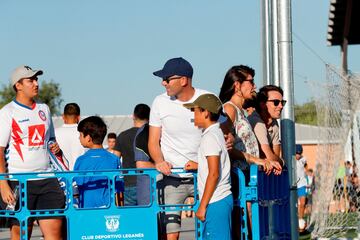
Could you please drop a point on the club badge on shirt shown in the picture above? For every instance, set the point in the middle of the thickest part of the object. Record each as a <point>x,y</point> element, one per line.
<point>42,115</point>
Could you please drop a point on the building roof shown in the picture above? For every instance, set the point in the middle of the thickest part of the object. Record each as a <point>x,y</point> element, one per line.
<point>304,134</point>
<point>115,123</point>
<point>344,22</point>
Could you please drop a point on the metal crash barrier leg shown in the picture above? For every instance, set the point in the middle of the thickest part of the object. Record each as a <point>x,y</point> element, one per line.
<point>248,193</point>
<point>274,208</point>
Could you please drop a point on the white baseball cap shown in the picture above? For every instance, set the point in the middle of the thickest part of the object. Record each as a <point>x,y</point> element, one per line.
<point>22,72</point>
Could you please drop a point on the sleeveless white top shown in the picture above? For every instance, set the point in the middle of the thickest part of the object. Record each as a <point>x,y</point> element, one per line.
<point>245,139</point>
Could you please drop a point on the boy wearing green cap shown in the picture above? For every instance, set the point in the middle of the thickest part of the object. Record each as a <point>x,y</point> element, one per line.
<point>213,169</point>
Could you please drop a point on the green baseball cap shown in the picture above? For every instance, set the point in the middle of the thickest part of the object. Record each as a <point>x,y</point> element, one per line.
<point>208,102</point>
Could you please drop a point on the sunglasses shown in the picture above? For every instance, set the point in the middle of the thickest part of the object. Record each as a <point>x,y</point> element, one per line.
<point>277,102</point>
<point>250,81</point>
<point>167,80</point>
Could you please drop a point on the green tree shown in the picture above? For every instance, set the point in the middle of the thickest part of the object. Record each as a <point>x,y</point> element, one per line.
<point>306,113</point>
<point>49,93</point>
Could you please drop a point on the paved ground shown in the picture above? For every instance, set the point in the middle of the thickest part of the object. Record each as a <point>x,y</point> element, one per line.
<point>187,231</point>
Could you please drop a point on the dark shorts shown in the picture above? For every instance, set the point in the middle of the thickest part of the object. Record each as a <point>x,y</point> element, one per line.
<point>235,182</point>
<point>42,194</point>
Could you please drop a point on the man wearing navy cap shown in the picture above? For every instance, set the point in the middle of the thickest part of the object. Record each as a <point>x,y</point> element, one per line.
<point>173,138</point>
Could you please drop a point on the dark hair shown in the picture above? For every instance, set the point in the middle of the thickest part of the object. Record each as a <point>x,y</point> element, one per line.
<point>142,111</point>
<point>263,94</point>
<point>111,135</point>
<point>95,127</point>
<point>249,103</point>
<point>235,73</point>
<point>14,86</point>
<point>72,109</point>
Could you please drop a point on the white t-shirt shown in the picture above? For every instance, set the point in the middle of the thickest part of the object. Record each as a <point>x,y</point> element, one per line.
<point>180,139</point>
<point>25,132</point>
<point>67,136</point>
<point>213,144</point>
<point>300,172</point>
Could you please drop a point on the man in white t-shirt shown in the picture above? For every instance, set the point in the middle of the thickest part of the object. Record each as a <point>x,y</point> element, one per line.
<point>67,135</point>
<point>25,132</point>
<point>173,138</point>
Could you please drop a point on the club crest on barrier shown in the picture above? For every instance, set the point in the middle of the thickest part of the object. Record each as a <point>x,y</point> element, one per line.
<point>112,223</point>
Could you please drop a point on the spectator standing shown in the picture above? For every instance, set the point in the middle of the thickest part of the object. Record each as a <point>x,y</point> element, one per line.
<point>301,185</point>
<point>67,135</point>
<point>26,129</point>
<point>269,106</point>
<point>111,142</point>
<point>173,139</point>
<point>142,156</point>
<point>125,148</point>
<point>213,166</point>
<point>310,190</point>
<point>94,191</point>
<point>237,87</point>
<point>249,105</point>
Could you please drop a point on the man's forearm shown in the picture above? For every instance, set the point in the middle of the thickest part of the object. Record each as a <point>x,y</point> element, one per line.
<point>155,153</point>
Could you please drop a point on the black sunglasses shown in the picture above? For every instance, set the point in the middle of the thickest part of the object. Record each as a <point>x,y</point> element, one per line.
<point>250,81</point>
<point>277,102</point>
<point>167,80</point>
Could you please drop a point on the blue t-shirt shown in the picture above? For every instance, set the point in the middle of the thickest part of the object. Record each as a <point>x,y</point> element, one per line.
<point>94,191</point>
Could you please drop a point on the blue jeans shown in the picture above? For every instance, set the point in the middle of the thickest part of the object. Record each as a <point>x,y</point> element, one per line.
<point>130,196</point>
<point>143,186</point>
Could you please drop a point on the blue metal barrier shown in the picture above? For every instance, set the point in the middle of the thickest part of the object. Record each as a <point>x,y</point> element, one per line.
<point>248,193</point>
<point>123,222</point>
<point>274,207</point>
<point>111,222</point>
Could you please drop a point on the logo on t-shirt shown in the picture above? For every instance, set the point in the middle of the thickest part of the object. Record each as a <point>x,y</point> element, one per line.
<point>36,135</point>
<point>16,136</point>
<point>42,115</point>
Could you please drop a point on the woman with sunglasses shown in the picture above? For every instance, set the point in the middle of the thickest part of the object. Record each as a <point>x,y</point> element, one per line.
<point>269,105</point>
<point>238,85</point>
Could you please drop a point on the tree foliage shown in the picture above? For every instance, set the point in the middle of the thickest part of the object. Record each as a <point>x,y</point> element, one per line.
<point>49,93</point>
<point>306,113</point>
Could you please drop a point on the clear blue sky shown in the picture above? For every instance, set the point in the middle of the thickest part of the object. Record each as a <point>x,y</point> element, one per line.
<point>103,53</point>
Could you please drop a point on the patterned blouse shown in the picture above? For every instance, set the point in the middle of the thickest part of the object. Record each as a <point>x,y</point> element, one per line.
<point>245,139</point>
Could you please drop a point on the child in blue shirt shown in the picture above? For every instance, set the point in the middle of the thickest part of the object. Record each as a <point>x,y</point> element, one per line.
<point>94,191</point>
<point>213,164</point>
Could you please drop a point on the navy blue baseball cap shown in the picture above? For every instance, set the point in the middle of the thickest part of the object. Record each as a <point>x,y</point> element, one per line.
<point>175,66</point>
<point>298,149</point>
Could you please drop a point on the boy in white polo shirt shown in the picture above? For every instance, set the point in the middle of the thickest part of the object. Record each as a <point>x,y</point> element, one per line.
<point>213,169</point>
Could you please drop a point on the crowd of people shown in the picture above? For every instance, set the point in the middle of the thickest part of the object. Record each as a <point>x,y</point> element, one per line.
<point>346,189</point>
<point>185,127</point>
